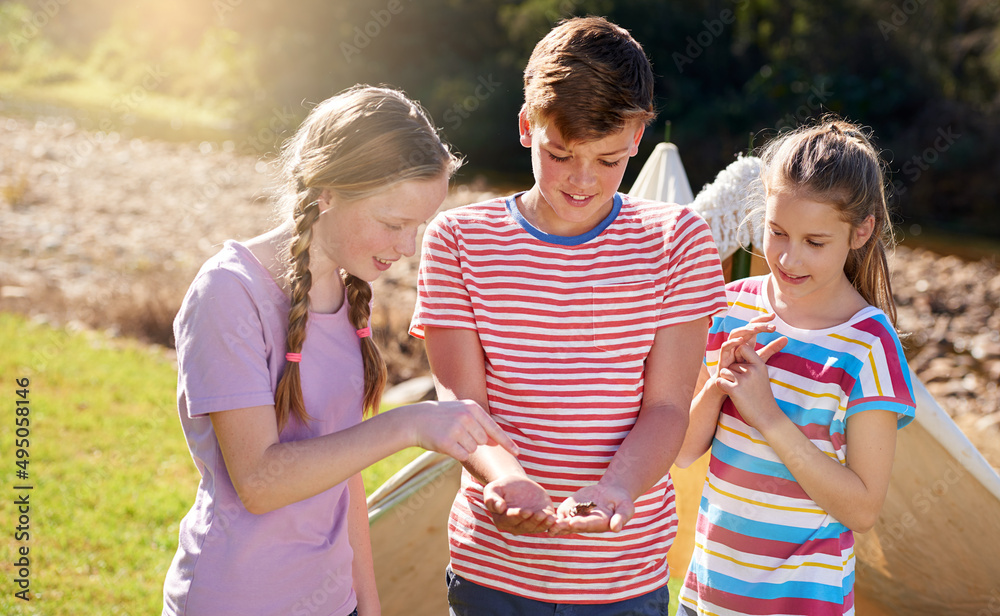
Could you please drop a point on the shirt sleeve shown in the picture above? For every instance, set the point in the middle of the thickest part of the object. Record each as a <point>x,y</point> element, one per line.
<point>695,286</point>
<point>443,300</point>
<point>221,354</point>
<point>884,381</point>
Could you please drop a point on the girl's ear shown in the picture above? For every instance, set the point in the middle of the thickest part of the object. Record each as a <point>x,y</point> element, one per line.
<point>524,128</point>
<point>862,233</point>
<point>324,200</point>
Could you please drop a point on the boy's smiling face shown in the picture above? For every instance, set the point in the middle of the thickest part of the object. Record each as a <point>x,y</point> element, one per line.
<point>575,182</point>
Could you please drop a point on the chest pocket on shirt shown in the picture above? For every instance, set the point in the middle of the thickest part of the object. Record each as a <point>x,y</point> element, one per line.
<point>625,316</point>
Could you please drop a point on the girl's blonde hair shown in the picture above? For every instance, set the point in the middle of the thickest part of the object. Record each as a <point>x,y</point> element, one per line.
<point>355,144</point>
<point>836,162</point>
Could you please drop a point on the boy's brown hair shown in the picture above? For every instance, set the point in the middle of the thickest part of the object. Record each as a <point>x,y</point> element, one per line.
<point>589,78</point>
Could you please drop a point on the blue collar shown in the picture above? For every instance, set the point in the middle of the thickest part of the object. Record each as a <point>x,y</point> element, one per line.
<point>563,240</point>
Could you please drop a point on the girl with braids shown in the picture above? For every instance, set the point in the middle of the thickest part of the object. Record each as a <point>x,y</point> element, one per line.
<point>276,366</point>
<point>808,386</point>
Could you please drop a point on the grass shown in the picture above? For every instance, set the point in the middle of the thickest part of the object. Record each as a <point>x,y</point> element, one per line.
<point>112,106</point>
<point>110,470</point>
<point>111,473</point>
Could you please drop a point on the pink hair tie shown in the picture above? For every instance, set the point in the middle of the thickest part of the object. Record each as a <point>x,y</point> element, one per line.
<point>365,332</point>
<point>293,357</point>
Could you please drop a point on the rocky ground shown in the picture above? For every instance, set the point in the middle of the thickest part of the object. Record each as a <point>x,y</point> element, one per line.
<point>103,232</point>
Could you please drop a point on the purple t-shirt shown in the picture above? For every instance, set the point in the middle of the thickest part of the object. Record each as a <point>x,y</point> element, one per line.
<point>230,334</point>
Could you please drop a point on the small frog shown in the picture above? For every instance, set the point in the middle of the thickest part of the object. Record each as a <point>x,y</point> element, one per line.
<point>583,508</point>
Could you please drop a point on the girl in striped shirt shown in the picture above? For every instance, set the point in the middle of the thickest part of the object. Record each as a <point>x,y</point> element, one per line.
<point>805,362</point>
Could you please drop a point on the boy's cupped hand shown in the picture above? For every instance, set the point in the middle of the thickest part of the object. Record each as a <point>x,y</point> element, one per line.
<point>519,505</point>
<point>611,509</point>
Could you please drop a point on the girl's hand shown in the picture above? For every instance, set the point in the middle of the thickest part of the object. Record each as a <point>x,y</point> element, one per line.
<point>604,508</point>
<point>455,428</point>
<point>747,384</point>
<point>745,335</point>
<point>519,505</point>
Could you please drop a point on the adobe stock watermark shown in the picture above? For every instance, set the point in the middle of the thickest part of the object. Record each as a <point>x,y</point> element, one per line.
<point>318,599</point>
<point>461,110</point>
<point>697,44</point>
<point>266,138</point>
<point>226,514</point>
<point>35,23</point>
<point>365,34</point>
<point>993,606</point>
<point>900,14</point>
<point>225,7</point>
<point>420,498</point>
<point>894,532</point>
<point>915,167</point>
<point>262,142</point>
<point>122,106</point>
<point>814,103</point>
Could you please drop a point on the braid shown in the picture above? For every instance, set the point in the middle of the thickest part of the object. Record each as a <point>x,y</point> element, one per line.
<point>356,145</point>
<point>359,296</point>
<point>288,397</point>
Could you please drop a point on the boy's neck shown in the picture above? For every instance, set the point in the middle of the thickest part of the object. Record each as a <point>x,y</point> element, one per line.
<point>539,213</point>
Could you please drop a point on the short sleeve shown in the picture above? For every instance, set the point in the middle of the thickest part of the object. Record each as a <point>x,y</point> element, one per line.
<point>695,286</point>
<point>716,335</point>
<point>442,297</point>
<point>221,353</point>
<point>884,380</point>
<point>741,296</point>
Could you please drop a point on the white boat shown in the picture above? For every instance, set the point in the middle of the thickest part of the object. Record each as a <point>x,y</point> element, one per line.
<point>935,549</point>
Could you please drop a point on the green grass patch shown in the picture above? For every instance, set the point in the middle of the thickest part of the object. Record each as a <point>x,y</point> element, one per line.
<point>106,105</point>
<point>675,590</point>
<point>110,469</point>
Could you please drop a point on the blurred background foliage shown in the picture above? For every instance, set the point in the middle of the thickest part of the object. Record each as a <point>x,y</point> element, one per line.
<point>925,75</point>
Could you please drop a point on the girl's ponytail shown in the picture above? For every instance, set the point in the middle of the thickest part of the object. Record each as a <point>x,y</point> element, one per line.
<point>868,267</point>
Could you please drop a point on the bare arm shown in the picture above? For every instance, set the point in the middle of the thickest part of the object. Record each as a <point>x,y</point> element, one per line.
<point>269,474</point>
<point>703,420</point>
<point>459,370</point>
<point>363,566</point>
<point>853,494</point>
<point>708,402</point>
<point>517,504</point>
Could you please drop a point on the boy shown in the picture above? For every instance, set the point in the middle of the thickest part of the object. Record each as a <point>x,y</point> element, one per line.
<point>548,308</point>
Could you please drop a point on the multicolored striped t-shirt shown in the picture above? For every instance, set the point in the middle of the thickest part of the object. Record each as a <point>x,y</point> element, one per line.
<point>762,546</point>
<point>566,324</point>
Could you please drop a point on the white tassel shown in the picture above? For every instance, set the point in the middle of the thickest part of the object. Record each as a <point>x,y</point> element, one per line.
<point>726,201</point>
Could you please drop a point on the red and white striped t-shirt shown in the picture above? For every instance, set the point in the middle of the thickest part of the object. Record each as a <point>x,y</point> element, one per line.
<point>566,324</point>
